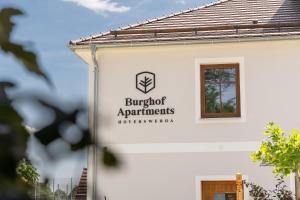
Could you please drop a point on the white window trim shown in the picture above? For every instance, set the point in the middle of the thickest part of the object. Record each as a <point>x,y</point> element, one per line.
<point>201,61</point>
<point>199,179</point>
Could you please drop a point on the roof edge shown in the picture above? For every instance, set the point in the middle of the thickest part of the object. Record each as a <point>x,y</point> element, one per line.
<point>195,41</point>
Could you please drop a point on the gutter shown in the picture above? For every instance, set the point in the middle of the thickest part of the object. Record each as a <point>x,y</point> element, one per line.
<point>189,42</point>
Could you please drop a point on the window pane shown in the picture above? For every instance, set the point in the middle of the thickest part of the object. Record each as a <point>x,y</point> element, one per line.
<point>227,74</point>
<point>225,196</point>
<point>219,196</point>
<point>229,98</point>
<point>220,95</point>
<point>212,98</point>
<point>212,75</point>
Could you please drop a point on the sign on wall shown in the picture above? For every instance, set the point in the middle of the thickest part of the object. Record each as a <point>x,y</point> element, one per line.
<point>145,82</point>
<point>146,110</point>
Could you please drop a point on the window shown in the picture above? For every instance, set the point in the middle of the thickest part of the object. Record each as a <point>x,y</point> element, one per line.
<point>220,91</point>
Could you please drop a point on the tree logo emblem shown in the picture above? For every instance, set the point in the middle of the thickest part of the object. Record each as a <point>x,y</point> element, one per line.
<point>145,82</point>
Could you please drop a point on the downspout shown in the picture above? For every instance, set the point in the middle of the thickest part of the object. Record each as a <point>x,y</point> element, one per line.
<point>94,122</point>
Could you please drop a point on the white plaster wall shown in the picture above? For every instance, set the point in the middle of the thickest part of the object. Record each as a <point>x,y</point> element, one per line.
<point>271,82</point>
<point>154,165</point>
<point>174,176</point>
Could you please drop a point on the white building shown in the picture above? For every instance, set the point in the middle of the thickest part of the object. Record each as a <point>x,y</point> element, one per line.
<point>185,98</point>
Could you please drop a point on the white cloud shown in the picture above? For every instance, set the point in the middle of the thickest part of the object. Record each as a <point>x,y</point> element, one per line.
<point>181,1</point>
<point>101,5</point>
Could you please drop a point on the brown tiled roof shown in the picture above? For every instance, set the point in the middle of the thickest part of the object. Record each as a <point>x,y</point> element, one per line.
<point>81,193</point>
<point>223,19</point>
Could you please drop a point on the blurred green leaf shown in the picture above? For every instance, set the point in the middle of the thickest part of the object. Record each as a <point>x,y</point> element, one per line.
<point>27,58</point>
<point>86,140</point>
<point>109,159</point>
<point>6,25</point>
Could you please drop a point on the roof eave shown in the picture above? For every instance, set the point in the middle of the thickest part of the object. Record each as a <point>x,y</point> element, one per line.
<point>187,42</point>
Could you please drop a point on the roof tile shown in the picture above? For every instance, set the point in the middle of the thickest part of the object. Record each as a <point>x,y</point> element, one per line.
<point>221,13</point>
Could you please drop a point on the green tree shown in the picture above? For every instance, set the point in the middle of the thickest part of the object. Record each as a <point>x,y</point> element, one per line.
<point>60,194</point>
<point>41,191</point>
<point>27,172</point>
<point>279,193</point>
<point>73,193</point>
<point>45,192</point>
<point>282,151</point>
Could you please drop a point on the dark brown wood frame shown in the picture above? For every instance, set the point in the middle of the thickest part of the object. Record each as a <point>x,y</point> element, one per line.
<point>202,92</point>
<point>207,28</point>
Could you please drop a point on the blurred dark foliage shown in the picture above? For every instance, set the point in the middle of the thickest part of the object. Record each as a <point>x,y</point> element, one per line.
<point>280,192</point>
<point>14,135</point>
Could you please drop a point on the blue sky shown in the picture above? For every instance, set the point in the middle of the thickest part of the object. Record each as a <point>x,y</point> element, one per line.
<point>48,26</point>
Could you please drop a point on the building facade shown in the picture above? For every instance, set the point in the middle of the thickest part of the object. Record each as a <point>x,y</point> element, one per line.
<point>184,99</point>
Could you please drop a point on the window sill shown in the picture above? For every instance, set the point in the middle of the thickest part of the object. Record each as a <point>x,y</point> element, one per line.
<point>221,120</point>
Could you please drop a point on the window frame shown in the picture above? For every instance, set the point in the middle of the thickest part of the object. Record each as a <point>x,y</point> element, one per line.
<point>236,114</point>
